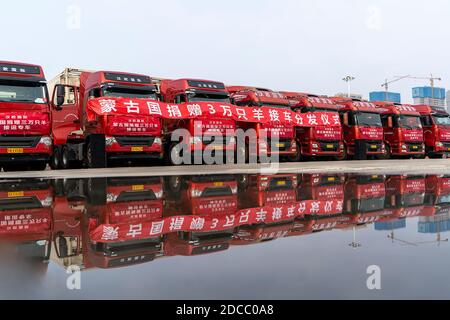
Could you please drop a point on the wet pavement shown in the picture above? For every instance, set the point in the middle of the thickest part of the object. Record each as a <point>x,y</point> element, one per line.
<point>226,236</point>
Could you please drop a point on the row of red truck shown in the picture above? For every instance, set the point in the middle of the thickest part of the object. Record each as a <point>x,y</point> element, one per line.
<point>38,128</point>
<point>136,220</point>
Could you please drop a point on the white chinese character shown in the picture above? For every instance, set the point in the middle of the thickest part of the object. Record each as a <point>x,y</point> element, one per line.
<point>230,221</point>
<point>154,108</point>
<point>315,207</point>
<point>274,115</point>
<point>132,107</point>
<point>299,119</point>
<point>110,233</point>
<point>176,224</point>
<point>277,214</point>
<point>337,120</point>
<point>325,120</point>
<point>157,228</point>
<point>258,114</point>
<point>245,217</point>
<point>312,119</point>
<point>227,111</point>
<point>302,208</point>
<point>135,230</point>
<point>194,110</point>
<point>261,215</point>
<point>328,206</point>
<point>288,116</point>
<point>291,212</point>
<point>174,111</point>
<point>242,114</point>
<point>108,106</point>
<point>197,224</point>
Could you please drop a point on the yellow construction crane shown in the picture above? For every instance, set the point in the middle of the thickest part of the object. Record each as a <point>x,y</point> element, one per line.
<point>432,80</point>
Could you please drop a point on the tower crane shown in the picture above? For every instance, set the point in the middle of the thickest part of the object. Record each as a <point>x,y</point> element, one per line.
<point>431,78</point>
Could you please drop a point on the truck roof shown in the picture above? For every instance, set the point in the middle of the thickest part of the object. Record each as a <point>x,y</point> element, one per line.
<point>235,89</point>
<point>21,71</point>
<point>396,108</point>
<point>261,97</point>
<point>426,110</point>
<point>181,85</point>
<point>355,105</point>
<point>310,100</point>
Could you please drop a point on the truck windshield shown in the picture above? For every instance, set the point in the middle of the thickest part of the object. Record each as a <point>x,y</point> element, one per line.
<point>205,97</point>
<point>22,91</point>
<point>368,119</point>
<point>442,120</point>
<point>409,122</point>
<point>117,92</point>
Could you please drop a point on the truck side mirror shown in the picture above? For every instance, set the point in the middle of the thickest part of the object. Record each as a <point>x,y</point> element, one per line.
<point>60,96</point>
<point>345,120</point>
<point>390,122</point>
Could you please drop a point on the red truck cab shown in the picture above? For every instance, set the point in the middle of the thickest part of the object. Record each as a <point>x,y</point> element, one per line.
<point>437,194</point>
<point>321,141</point>
<point>363,129</point>
<point>403,132</point>
<point>25,142</point>
<point>210,197</point>
<point>405,195</point>
<point>272,139</point>
<point>109,139</point>
<point>132,204</point>
<point>436,128</point>
<point>202,131</point>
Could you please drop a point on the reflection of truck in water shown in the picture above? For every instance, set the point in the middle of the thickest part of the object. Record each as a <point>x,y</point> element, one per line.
<point>26,219</point>
<point>205,197</point>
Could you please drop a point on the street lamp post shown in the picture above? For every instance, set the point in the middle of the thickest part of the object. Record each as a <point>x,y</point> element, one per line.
<point>349,80</point>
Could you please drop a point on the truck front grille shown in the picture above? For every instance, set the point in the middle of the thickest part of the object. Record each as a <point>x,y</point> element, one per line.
<point>135,141</point>
<point>21,142</point>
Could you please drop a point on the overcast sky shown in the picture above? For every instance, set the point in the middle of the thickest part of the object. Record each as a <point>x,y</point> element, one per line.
<point>279,44</point>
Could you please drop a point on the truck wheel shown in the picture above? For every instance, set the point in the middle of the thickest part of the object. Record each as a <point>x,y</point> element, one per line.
<point>388,154</point>
<point>96,191</point>
<point>65,158</point>
<point>55,159</point>
<point>96,151</point>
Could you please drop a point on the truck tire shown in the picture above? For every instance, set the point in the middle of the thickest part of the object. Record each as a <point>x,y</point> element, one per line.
<point>298,156</point>
<point>55,159</point>
<point>360,150</point>
<point>96,191</point>
<point>96,151</point>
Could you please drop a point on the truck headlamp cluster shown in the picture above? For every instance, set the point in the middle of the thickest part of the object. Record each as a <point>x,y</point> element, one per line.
<point>47,141</point>
<point>110,141</point>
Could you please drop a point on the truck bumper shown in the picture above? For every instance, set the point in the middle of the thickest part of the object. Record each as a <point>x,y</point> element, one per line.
<point>408,149</point>
<point>323,149</point>
<point>24,158</point>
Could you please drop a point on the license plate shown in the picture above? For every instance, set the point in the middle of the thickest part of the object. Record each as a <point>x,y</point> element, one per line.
<point>139,187</point>
<point>373,147</point>
<point>331,179</point>
<point>330,146</point>
<point>16,194</point>
<point>137,149</point>
<point>15,150</point>
<point>448,149</point>
<point>281,183</point>
<point>280,145</point>
<point>218,184</point>
<point>415,147</point>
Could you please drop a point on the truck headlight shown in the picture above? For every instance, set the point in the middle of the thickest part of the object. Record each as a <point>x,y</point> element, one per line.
<point>47,202</point>
<point>111,197</point>
<point>47,141</point>
<point>404,147</point>
<point>159,194</point>
<point>440,144</point>
<point>110,141</point>
<point>195,193</point>
<point>158,141</point>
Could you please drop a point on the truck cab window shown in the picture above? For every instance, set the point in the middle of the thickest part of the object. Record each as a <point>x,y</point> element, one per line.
<point>94,93</point>
<point>426,121</point>
<point>181,98</point>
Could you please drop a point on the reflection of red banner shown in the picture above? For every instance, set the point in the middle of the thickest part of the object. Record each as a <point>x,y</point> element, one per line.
<point>199,110</point>
<point>266,215</point>
<point>25,222</point>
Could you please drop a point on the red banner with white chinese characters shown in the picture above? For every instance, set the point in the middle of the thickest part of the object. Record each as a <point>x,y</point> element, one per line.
<point>199,110</point>
<point>108,233</point>
<point>20,123</point>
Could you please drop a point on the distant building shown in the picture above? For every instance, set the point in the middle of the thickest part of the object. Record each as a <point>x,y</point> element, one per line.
<point>385,96</point>
<point>448,100</point>
<point>352,95</point>
<point>435,97</point>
